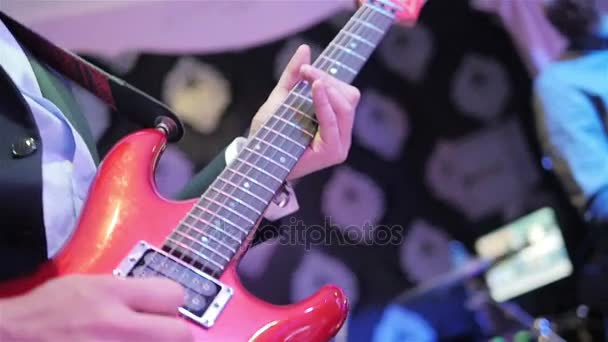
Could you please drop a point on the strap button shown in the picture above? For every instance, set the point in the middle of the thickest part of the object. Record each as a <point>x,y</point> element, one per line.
<point>24,147</point>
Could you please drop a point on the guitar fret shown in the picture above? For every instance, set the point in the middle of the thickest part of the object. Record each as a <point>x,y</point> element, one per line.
<point>209,236</point>
<point>349,51</point>
<point>285,137</point>
<point>280,181</point>
<point>342,65</point>
<point>359,38</point>
<point>223,205</point>
<point>278,149</point>
<point>223,219</point>
<point>301,96</point>
<point>263,201</point>
<point>216,227</point>
<point>236,199</point>
<point>213,250</point>
<point>301,113</point>
<point>186,248</point>
<point>368,25</point>
<point>381,11</point>
<point>289,131</point>
<point>295,126</point>
<point>251,180</point>
<point>269,159</point>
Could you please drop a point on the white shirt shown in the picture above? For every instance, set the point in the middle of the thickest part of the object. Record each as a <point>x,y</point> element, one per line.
<point>68,168</point>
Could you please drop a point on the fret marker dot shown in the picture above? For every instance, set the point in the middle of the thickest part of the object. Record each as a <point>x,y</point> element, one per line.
<point>204,239</point>
<point>246,184</point>
<point>282,159</point>
<point>258,147</point>
<point>333,70</point>
<point>353,45</point>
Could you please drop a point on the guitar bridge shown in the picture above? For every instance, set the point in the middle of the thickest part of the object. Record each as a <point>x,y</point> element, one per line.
<point>205,296</point>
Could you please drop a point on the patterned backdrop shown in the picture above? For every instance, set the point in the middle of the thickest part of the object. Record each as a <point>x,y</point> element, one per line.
<point>442,152</point>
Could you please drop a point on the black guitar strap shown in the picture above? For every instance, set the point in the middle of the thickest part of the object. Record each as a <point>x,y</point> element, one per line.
<point>120,96</point>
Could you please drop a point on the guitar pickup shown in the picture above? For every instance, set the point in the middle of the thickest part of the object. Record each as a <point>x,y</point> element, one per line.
<point>205,296</point>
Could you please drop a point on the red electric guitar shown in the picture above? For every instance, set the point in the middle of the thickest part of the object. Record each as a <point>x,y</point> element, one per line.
<point>128,229</point>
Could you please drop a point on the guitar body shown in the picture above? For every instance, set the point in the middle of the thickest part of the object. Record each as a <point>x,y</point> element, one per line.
<point>124,207</point>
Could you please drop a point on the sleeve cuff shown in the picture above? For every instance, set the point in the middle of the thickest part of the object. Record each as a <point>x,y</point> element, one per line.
<point>285,201</point>
<point>234,148</point>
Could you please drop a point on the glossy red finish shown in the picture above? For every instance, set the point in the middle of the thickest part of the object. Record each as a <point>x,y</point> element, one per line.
<point>124,208</point>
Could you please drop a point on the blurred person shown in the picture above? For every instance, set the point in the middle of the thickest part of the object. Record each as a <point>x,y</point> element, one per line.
<point>571,112</point>
<point>571,97</point>
<point>48,155</point>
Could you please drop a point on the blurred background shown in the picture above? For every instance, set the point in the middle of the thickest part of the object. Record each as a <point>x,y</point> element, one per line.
<point>445,151</point>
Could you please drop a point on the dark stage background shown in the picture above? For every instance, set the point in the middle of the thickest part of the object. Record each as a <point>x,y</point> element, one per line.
<point>442,151</point>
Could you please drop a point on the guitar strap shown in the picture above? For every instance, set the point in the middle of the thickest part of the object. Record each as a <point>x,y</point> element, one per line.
<point>120,96</point>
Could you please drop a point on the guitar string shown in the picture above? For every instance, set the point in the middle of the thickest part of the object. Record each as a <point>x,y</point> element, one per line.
<point>339,41</point>
<point>325,63</point>
<point>218,198</point>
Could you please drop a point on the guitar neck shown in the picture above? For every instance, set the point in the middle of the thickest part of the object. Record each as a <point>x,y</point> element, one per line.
<point>225,216</point>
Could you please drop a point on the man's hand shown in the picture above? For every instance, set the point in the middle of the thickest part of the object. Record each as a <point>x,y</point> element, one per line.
<point>334,103</point>
<point>96,308</point>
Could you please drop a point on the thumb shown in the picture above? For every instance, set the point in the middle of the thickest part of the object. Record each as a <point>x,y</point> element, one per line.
<point>291,75</point>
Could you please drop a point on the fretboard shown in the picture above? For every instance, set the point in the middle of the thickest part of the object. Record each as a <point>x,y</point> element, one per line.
<point>225,216</point>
